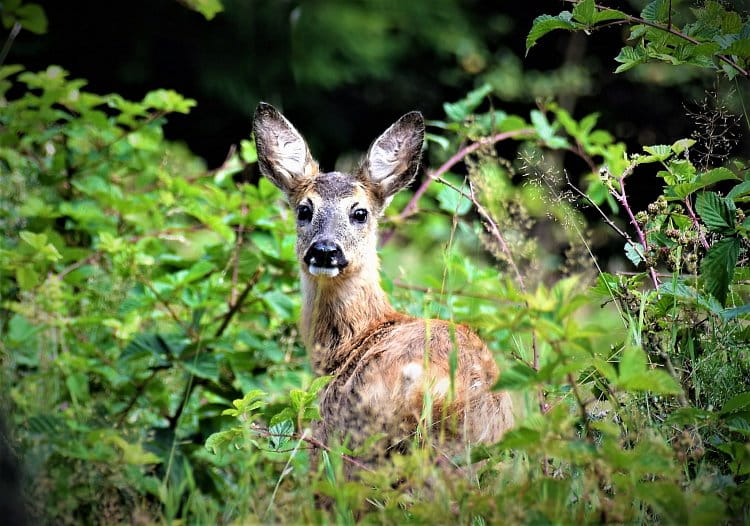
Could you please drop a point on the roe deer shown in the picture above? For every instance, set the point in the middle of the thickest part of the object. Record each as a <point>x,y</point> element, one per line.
<point>385,364</point>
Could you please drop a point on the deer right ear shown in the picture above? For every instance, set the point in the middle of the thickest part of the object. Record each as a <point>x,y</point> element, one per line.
<point>283,155</point>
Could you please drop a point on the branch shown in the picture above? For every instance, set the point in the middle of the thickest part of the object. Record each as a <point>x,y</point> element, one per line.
<point>669,29</point>
<point>411,207</point>
<point>9,42</point>
<point>237,304</point>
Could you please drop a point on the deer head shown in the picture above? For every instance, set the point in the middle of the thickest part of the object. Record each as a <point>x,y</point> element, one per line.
<point>337,213</point>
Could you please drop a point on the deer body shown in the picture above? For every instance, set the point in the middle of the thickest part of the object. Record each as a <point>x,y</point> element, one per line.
<point>386,365</point>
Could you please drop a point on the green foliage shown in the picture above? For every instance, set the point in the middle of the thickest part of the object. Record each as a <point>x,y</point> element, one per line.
<point>148,309</point>
<point>714,37</point>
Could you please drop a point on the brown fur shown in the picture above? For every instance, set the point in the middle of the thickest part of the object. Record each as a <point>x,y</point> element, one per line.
<point>386,365</point>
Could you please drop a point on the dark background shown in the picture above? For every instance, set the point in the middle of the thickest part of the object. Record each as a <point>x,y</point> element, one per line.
<point>342,71</point>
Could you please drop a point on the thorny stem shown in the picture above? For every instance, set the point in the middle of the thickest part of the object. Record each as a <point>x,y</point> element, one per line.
<point>696,223</point>
<point>412,206</point>
<point>622,198</point>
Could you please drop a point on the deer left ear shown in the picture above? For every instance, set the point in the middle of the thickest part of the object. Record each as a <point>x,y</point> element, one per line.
<point>393,159</point>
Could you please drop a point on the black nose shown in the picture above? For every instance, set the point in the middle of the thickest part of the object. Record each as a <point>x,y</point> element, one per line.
<point>325,254</point>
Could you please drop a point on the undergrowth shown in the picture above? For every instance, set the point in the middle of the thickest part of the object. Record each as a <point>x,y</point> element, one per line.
<point>153,368</point>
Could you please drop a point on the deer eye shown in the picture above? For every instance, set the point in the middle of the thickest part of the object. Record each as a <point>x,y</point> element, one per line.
<point>360,215</point>
<point>304,213</point>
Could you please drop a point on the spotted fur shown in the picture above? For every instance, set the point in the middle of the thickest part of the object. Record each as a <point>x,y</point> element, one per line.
<point>386,365</point>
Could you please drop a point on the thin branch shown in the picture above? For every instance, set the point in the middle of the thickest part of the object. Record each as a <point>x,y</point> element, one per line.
<point>264,432</point>
<point>237,304</point>
<point>412,206</point>
<point>9,42</point>
<point>696,223</point>
<point>669,29</point>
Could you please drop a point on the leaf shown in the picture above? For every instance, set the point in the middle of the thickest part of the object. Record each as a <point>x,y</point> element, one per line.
<point>682,190</point>
<point>656,11</point>
<point>632,253</point>
<point>26,277</point>
<point>715,212</point>
<point>32,18</point>
<point>584,12</point>
<point>217,442</point>
<point>630,57</point>
<point>717,267</point>
<point>453,202</point>
<point>168,100</point>
<point>546,131</point>
<point>280,434</point>
<point>740,48</point>
<point>208,8</point>
<point>730,314</point>
<point>634,374</point>
<point>543,24</point>
<point>460,110</point>
<point>736,404</point>
<point>520,376</point>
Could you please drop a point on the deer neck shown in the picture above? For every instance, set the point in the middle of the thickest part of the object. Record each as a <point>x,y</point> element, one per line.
<point>336,310</point>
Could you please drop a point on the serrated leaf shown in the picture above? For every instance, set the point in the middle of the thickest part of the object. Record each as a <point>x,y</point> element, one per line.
<point>280,434</point>
<point>453,202</point>
<point>682,190</point>
<point>740,48</point>
<point>543,24</point>
<point>717,267</point>
<point>656,11</point>
<point>715,212</point>
<point>634,374</point>
<point>584,11</point>
<point>736,404</point>
<point>630,57</point>
<point>460,110</point>
<point>217,442</point>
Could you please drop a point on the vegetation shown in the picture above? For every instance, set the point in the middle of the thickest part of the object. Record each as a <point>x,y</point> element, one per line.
<point>149,304</point>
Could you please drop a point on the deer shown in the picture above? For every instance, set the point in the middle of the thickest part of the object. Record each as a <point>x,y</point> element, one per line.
<point>390,372</point>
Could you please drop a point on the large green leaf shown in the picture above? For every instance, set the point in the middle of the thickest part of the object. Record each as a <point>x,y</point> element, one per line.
<point>717,267</point>
<point>545,23</point>
<point>715,211</point>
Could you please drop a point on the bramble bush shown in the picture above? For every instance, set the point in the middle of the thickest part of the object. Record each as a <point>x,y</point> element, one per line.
<point>149,305</point>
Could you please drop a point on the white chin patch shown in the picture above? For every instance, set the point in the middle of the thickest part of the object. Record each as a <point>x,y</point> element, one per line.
<point>329,272</point>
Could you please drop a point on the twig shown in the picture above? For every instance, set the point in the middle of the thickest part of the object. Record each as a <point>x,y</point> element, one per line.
<point>630,18</point>
<point>696,223</point>
<point>411,207</point>
<point>240,300</point>
<point>622,197</point>
<point>264,432</point>
<point>9,42</point>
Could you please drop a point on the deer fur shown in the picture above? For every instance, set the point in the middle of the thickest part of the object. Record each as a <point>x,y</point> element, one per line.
<point>385,364</point>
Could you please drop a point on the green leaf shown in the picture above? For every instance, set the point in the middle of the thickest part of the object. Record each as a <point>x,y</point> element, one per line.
<point>218,442</point>
<point>634,374</point>
<point>630,57</point>
<point>715,212</point>
<point>280,434</point>
<point>168,100</point>
<point>460,110</point>
<point>740,48</point>
<point>545,23</point>
<point>26,277</point>
<point>656,11</point>
<point>208,8</point>
<point>632,253</point>
<point>609,14</point>
<point>584,12</point>
<point>546,131</point>
<point>682,190</point>
<point>736,404</point>
<point>520,376</point>
<point>717,267</point>
<point>32,18</point>
<point>453,202</point>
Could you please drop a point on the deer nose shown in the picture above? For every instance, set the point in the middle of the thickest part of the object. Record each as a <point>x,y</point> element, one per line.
<point>325,254</point>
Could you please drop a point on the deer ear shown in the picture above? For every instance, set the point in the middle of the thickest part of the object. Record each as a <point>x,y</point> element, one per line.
<point>283,155</point>
<point>393,159</point>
